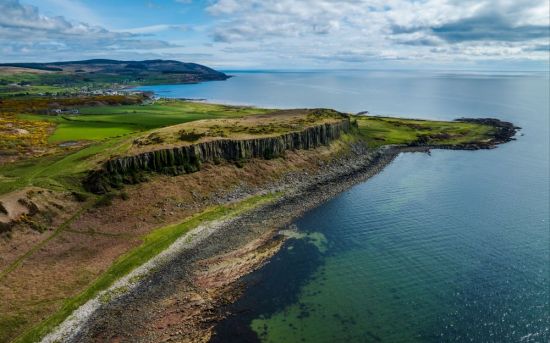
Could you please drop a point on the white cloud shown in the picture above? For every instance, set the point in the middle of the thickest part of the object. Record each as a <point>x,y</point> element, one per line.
<point>362,30</point>
<point>154,29</point>
<point>27,33</point>
<point>291,33</point>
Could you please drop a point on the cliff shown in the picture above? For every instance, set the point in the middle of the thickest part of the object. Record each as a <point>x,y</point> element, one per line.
<point>188,158</point>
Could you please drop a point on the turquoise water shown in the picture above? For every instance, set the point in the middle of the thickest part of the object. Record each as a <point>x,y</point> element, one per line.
<point>448,247</point>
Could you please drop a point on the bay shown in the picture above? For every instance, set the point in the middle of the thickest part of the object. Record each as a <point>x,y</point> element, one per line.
<point>448,247</point>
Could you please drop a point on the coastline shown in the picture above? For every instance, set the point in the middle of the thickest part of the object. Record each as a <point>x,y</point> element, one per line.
<point>177,271</point>
<point>181,293</point>
<point>170,211</point>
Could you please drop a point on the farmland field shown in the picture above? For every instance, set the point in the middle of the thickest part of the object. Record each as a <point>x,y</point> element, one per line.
<point>97,123</point>
<point>102,130</point>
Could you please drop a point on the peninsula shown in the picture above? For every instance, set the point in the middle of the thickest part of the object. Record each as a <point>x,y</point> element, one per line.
<point>124,215</point>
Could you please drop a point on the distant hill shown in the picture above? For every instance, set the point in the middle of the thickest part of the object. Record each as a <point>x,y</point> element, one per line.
<point>148,71</point>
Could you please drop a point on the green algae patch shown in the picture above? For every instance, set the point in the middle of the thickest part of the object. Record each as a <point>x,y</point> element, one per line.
<point>152,244</point>
<point>317,239</point>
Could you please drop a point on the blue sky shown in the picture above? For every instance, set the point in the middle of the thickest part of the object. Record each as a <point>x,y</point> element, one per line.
<point>283,34</point>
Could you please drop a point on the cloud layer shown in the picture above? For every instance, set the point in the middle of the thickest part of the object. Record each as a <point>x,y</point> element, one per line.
<point>27,34</point>
<point>365,30</point>
<point>296,33</point>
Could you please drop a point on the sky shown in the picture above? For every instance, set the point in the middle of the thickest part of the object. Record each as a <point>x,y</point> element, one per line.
<point>283,34</point>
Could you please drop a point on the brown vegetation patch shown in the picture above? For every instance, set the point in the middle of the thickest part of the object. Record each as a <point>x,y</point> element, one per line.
<point>32,214</point>
<point>68,263</point>
<point>18,70</point>
<point>59,270</point>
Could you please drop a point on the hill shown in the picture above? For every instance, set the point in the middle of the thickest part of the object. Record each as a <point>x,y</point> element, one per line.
<point>31,78</point>
<point>126,68</point>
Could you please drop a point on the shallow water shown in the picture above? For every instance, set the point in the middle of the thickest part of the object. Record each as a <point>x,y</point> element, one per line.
<point>448,247</point>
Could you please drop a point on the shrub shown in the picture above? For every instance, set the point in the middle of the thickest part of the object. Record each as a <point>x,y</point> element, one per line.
<point>239,163</point>
<point>25,219</point>
<point>124,196</point>
<point>5,227</point>
<point>190,136</point>
<point>106,200</point>
<point>80,197</point>
<point>31,206</point>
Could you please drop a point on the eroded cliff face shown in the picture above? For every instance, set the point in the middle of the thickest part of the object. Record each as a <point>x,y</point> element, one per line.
<point>187,159</point>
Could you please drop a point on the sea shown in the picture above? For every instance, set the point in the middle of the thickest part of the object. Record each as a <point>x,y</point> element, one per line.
<point>452,246</point>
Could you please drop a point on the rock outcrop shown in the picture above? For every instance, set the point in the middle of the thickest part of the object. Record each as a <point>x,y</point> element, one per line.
<point>187,159</point>
<point>504,131</point>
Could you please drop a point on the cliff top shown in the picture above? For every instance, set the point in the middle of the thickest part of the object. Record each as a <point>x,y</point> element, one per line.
<point>258,126</point>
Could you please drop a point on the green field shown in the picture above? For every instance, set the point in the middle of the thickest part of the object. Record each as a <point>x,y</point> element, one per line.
<point>110,130</point>
<point>76,130</point>
<point>36,83</point>
<point>97,123</point>
<point>379,131</point>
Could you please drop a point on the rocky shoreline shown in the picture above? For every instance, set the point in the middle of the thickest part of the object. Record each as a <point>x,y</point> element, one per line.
<point>140,313</point>
<point>180,296</point>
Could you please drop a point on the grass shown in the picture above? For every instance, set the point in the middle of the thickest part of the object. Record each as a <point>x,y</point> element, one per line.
<point>56,172</point>
<point>163,113</point>
<point>101,122</point>
<point>76,130</point>
<point>109,128</point>
<point>243,127</point>
<point>69,129</point>
<point>37,83</point>
<point>152,244</point>
<point>8,323</point>
<point>378,131</point>
<point>112,128</point>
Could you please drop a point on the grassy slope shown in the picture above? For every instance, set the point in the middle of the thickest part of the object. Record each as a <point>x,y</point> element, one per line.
<point>112,128</point>
<point>96,123</point>
<point>379,131</point>
<point>153,243</point>
<point>54,172</point>
<point>39,83</point>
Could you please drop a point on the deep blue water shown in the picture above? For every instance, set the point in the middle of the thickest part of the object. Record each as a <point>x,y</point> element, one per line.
<point>449,247</point>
